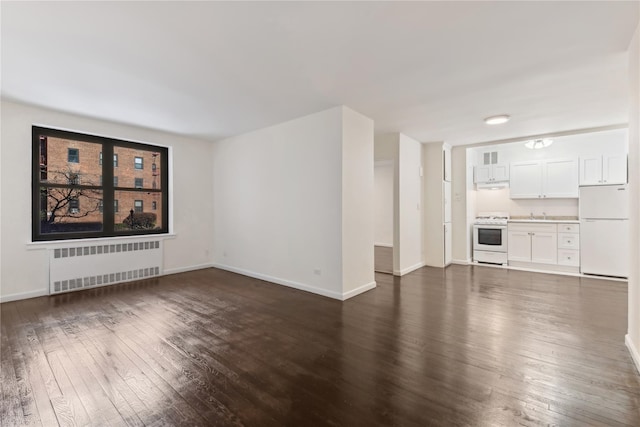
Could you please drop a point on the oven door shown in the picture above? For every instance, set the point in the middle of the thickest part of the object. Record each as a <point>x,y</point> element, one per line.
<point>490,238</point>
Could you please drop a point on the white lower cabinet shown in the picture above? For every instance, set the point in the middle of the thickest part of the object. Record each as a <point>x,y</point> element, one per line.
<point>557,246</point>
<point>533,243</point>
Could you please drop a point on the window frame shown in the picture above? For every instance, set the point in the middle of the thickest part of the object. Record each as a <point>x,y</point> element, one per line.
<point>108,187</point>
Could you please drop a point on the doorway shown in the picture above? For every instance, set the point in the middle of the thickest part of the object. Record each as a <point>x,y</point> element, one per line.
<point>383,216</point>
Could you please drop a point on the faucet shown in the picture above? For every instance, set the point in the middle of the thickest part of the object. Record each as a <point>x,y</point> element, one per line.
<point>544,215</point>
<point>531,215</point>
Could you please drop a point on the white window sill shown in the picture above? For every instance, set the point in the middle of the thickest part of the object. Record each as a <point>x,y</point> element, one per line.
<point>53,244</point>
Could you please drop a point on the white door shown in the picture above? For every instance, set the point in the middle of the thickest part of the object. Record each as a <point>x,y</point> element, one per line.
<point>614,169</point>
<point>446,187</point>
<point>544,247</point>
<point>448,244</point>
<point>604,247</point>
<point>591,170</point>
<point>519,246</point>
<point>604,202</point>
<point>560,178</point>
<point>526,180</point>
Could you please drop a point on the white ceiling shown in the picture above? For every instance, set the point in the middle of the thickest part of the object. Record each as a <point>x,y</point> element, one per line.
<point>432,70</point>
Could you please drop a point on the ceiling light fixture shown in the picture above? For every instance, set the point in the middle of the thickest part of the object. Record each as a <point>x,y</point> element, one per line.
<point>497,120</point>
<point>536,144</point>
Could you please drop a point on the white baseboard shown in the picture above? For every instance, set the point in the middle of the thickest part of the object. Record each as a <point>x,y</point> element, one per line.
<point>408,269</point>
<point>185,269</point>
<point>284,282</point>
<point>25,295</point>
<point>460,261</point>
<point>357,291</point>
<point>384,245</point>
<point>635,356</point>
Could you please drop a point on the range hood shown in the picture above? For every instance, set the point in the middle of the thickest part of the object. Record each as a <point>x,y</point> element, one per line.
<point>492,185</point>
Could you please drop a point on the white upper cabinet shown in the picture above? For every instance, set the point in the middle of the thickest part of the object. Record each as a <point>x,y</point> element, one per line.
<point>606,169</point>
<point>560,178</point>
<point>490,170</point>
<point>535,179</point>
<point>526,180</point>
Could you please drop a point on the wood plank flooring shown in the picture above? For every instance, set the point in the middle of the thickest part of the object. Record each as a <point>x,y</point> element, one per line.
<point>462,346</point>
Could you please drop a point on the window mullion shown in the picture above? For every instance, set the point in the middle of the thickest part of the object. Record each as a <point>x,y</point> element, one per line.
<point>108,190</point>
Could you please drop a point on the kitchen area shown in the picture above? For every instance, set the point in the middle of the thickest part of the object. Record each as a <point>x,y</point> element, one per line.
<point>557,204</point>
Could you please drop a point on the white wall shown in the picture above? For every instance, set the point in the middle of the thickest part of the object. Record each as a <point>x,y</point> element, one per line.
<point>278,205</point>
<point>433,201</point>
<point>409,206</point>
<point>357,202</point>
<point>383,208</point>
<point>499,201</point>
<point>24,272</point>
<point>633,336</point>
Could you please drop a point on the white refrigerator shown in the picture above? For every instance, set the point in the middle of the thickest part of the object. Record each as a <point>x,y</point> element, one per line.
<point>604,230</point>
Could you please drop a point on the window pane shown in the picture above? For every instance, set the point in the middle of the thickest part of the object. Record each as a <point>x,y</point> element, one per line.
<point>69,210</point>
<point>65,161</point>
<point>134,170</point>
<point>140,205</point>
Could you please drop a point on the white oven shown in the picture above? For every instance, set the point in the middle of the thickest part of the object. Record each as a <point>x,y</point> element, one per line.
<point>490,243</point>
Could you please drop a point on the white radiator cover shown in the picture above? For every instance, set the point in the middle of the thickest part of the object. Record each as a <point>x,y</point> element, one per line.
<point>82,266</point>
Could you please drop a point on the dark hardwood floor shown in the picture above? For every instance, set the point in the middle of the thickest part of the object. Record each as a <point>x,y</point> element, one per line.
<point>472,346</point>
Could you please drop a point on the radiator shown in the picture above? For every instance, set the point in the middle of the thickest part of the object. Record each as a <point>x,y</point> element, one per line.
<point>82,266</point>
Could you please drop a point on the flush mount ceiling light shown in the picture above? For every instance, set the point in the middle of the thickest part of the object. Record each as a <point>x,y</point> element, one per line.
<point>536,144</point>
<point>497,120</point>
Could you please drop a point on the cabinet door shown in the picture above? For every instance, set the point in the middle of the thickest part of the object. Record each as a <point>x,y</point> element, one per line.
<point>500,172</point>
<point>614,169</point>
<point>519,246</point>
<point>544,247</point>
<point>591,170</point>
<point>526,180</point>
<point>560,178</point>
<point>482,174</point>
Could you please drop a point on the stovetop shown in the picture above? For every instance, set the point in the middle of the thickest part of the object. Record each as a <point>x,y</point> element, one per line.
<point>492,218</point>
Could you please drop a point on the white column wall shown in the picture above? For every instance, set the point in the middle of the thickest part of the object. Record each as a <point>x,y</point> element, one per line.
<point>357,203</point>
<point>409,206</point>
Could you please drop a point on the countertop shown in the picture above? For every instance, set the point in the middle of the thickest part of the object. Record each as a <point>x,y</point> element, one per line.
<point>548,220</point>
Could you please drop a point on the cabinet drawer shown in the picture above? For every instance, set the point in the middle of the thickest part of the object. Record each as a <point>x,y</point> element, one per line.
<point>569,257</point>
<point>533,227</point>
<point>568,241</point>
<point>568,228</point>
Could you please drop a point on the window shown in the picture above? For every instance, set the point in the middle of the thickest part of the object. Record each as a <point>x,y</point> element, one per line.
<point>73,155</point>
<point>115,160</point>
<point>74,205</point>
<point>73,178</point>
<point>75,200</point>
